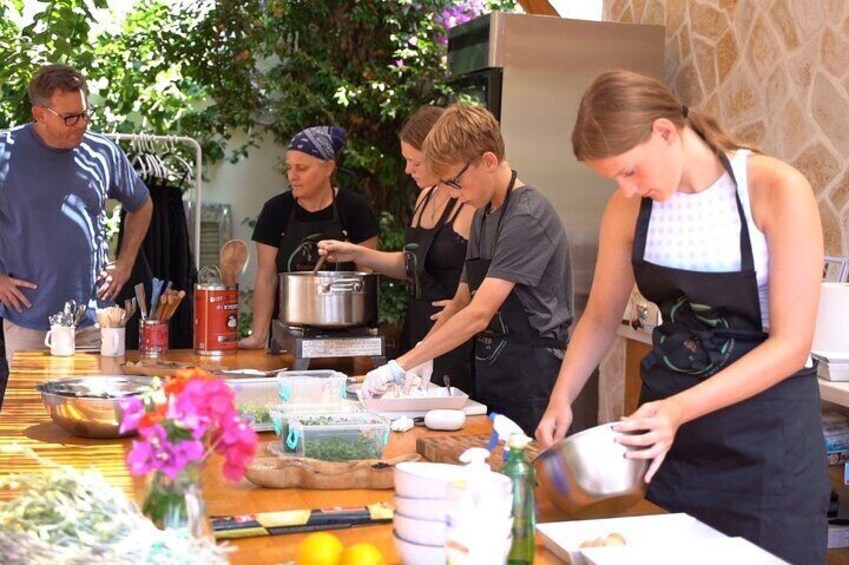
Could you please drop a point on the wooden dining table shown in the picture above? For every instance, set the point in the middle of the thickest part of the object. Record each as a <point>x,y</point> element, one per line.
<point>24,422</point>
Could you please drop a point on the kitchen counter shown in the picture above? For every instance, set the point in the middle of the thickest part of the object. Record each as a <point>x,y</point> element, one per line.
<point>24,421</point>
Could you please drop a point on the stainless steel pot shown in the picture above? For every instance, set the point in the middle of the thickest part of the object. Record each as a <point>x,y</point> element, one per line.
<point>328,299</point>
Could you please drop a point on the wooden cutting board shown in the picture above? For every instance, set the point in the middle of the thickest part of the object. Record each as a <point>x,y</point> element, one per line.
<point>447,449</point>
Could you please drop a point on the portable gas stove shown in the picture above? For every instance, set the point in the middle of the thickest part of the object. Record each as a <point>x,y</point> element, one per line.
<point>305,343</point>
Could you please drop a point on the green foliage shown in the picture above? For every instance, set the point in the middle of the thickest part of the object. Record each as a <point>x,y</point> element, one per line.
<point>393,293</point>
<point>133,84</point>
<point>246,316</point>
<point>207,68</point>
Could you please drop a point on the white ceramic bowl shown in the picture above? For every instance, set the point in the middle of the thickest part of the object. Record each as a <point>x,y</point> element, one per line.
<point>422,508</point>
<point>415,479</point>
<point>482,550</point>
<point>491,493</point>
<point>417,554</point>
<point>416,530</point>
<point>496,529</point>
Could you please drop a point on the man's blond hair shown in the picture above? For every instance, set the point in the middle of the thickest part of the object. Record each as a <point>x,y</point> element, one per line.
<point>462,134</point>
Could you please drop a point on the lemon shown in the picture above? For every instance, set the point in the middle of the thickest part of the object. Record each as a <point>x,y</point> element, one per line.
<point>319,548</point>
<point>362,554</point>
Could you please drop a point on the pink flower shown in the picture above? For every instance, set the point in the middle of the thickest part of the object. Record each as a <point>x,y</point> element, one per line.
<point>200,410</point>
<point>133,408</point>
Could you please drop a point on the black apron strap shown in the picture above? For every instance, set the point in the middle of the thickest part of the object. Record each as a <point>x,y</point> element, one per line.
<point>452,206</point>
<point>747,261</point>
<point>420,207</point>
<point>638,250</point>
<point>337,216</point>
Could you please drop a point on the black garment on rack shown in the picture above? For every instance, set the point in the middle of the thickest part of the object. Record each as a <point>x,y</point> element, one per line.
<point>166,252</point>
<point>4,367</point>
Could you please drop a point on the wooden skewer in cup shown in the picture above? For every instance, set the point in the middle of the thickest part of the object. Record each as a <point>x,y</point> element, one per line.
<point>173,304</point>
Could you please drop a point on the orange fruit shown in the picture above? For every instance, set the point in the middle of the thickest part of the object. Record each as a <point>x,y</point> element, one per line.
<point>362,554</point>
<point>319,548</point>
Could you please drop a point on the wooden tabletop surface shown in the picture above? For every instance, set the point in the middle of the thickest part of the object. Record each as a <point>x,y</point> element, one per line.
<point>24,421</point>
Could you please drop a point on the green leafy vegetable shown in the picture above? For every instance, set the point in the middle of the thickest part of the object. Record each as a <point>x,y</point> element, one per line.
<point>255,413</point>
<point>68,517</point>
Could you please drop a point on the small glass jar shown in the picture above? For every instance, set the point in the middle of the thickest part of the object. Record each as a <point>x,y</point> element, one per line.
<point>153,337</point>
<point>178,503</point>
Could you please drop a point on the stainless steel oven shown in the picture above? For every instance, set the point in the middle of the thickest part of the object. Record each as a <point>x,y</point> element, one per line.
<point>530,71</point>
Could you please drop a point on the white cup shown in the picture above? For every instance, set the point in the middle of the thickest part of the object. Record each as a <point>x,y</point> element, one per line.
<point>61,340</point>
<point>112,342</point>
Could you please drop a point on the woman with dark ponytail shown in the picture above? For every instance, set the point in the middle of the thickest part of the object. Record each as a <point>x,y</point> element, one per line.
<point>728,243</point>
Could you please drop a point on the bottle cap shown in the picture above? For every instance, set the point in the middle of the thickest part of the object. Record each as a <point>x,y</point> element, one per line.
<point>518,441</point>
<point>475,458</point>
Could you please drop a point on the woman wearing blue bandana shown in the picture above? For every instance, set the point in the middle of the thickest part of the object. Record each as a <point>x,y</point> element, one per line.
<point>292,223</point>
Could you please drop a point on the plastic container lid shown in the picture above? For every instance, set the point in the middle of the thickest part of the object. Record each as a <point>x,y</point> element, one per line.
<point>308,387</point>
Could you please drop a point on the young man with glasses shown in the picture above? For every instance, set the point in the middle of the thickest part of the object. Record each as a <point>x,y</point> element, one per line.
<point>55,178</point>
<point>515,293</point>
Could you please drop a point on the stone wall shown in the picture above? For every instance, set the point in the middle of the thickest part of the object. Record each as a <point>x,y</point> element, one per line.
<point>776,72</point>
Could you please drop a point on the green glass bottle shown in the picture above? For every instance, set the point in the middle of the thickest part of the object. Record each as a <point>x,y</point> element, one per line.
<point>521,473</point>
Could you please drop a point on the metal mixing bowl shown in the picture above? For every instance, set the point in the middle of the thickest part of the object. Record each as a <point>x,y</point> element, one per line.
<point>586,474</point>
<point>88,406</point>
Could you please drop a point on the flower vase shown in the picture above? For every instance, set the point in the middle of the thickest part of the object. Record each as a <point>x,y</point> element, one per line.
<point>178,504</point>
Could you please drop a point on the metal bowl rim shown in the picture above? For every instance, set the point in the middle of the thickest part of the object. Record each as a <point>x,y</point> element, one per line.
<point>44,387</point>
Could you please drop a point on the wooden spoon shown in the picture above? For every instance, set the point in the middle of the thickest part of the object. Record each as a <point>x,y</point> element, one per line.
<point>319,264</point>
<point>232,261</point>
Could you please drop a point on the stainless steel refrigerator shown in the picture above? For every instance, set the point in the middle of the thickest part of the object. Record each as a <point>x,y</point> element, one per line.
<point>531,71</point>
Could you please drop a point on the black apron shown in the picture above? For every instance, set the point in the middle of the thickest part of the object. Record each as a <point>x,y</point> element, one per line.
<point>756,469</point>
<point>298,248</point>
<point>515,368</point>
<point>424,288</point>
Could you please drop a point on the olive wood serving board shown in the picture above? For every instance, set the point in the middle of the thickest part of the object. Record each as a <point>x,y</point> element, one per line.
<point>302,472</point>
<point>447,449</point>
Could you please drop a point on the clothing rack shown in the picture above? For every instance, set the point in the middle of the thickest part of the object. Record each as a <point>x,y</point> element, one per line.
<point>198,178</point>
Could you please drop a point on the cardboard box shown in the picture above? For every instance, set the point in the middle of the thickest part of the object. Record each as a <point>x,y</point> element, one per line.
<point>836,437</point>
<point>830,417</point>
<point>838,457</point>
<point>838,536</point>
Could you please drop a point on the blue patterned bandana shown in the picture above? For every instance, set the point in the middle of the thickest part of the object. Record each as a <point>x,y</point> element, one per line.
<point>322,142</point>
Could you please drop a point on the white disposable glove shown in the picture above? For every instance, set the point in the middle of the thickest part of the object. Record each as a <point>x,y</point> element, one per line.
<point>378,380</point>
<point>424,371</point>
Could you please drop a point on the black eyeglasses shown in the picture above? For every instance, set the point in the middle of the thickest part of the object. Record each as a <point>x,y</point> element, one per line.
<point>73,119</point>
<point>455,182</point>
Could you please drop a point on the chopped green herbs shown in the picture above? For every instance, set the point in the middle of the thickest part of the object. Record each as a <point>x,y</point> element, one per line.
<point>255,413</point>
<point>345,443</point>
<point>343,447</point>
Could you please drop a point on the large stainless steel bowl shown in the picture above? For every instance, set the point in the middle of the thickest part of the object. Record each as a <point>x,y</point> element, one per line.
<point>586,474</point>
<point>88,406</point>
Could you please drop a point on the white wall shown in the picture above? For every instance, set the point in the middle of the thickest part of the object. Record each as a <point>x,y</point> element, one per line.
<point>246,186</point>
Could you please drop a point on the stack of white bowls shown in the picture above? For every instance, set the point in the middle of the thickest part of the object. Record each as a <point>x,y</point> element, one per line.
<point>434,508</point>
<point>421,507</point>
<point>480,519</point>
